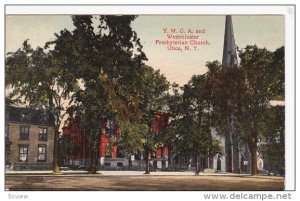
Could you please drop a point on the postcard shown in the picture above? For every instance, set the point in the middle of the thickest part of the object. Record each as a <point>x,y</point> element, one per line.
<point>99,98</point>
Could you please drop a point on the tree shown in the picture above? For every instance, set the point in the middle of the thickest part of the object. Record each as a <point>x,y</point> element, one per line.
<point>245,93</point>
<point>109,65</point>
<point>137,132</point>
<point>260,78</point>
<point>36,81</point>
<point>191,124</point>
<point>66,148</point>
<point>93,112</point>
<point>273,140</point>
<point>131,139</point>
<point>227,88</point>
<point>154,88</point>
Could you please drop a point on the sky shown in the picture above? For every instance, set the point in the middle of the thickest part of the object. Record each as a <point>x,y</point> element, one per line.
<point>205,42</point>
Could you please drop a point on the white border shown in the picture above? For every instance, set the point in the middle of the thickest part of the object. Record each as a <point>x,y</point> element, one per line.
<point>288,11</point>
<point>141,9</point>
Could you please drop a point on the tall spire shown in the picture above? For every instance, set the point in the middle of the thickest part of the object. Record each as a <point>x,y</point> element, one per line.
<point>231,141</point>
<point>229,49</point>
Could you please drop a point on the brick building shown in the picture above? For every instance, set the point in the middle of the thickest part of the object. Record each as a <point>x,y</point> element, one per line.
<point>109,154</point>
<point>29,136</point>
<point>159,126</point>
<point>80,155</point>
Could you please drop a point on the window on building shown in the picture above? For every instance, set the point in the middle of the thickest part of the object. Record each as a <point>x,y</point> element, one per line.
<point>119,153</point>
<point>24,133</point>
<point>108,150</point>
<point>24,117</point>
<point>42,152</point>
<point>43,134</point>
<point>44,118</point>
<point>23,153</point>
<point>110,128</point>
<point>7,131</point>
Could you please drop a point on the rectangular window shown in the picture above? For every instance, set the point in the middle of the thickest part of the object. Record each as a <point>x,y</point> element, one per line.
<point>25,117</point>
<point>24,133</point>
<point>43,134</point>
<point>7,131</point>
<point>23,153</point>
<point>109,128</point>
<point>108,151</point>
<point>42,152</point>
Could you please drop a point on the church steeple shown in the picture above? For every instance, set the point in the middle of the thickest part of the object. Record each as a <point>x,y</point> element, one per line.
<point>229,49</point>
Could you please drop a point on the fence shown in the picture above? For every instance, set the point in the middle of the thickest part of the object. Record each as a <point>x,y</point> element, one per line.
<point>31,166</point>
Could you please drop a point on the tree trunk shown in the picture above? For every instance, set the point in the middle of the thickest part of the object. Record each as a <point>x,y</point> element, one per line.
<point>93,167</point>
<point>147,162</point>
<point>130,163</point>
<point>211,162</point>
<point>55,167</point>
<point>235,155</point>
<point>228,152</point>
<point>253,150</point>
<point>269,168</point>
<point>170,156</point>
<point>197,162</point>
<point>248,158</point>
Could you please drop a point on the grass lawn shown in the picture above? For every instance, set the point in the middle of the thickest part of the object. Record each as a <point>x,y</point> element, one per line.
<point>142,183</point>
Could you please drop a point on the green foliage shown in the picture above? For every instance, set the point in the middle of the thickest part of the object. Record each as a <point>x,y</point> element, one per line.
<point>132,138</point>
<point>190,128</point>
<point>272,147</point>
<point>105,56</point>
<point>66,147</point>
<point>245,91</point>
<point>37,81</point>
<point>97,66</point>
<point>242,94</point>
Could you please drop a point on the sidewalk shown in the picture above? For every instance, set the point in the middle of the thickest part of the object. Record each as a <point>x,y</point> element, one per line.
<point>119,173</point>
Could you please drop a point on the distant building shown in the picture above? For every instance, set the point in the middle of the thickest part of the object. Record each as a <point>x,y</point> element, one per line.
<point>29,136</point>
<point>78,142</point>
<point>109,155</point>
<point>159,126</point>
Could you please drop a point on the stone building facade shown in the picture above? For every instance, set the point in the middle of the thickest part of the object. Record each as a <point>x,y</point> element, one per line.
<point>29,139</point>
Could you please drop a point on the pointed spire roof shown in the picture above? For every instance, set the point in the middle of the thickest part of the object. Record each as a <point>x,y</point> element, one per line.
<point>229,49</point>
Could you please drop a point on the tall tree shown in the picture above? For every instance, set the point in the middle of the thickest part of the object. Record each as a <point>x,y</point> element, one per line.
<point>76,53</point>
<point>191,125</point>
<point>107,58</point>
<point>66,149</point>
<point>245,92</point>
<point>36,81</point>
<point>131,140</point>
<point>272,145</point>
<point>154,88</point>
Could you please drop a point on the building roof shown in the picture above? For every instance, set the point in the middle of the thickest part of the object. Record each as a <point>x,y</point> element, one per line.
<point>229,49</point>
<point>28,116</point>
